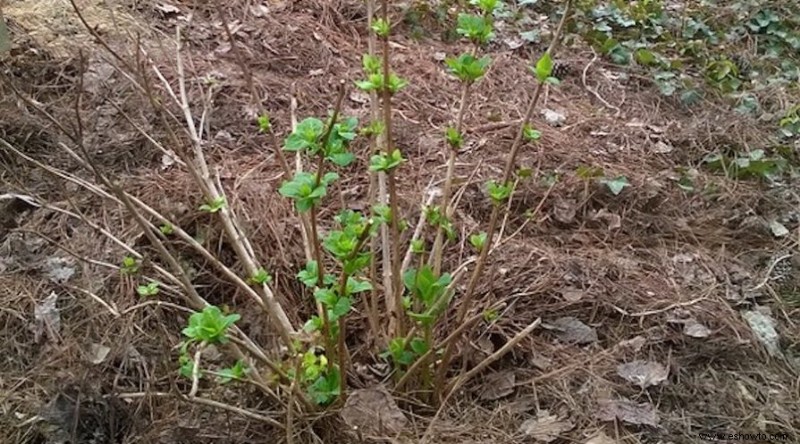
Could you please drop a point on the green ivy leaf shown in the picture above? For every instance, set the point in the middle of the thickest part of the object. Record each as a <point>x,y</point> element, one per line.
<point>616,185</point>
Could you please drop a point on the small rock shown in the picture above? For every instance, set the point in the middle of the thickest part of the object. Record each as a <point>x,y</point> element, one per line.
<point>553,118</point>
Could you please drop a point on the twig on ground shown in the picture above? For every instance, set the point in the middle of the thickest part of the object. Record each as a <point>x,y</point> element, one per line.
<point>201,401</point>
<point>594,92</point>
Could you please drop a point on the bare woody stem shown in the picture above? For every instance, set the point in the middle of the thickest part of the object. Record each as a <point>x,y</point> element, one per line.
<point>326,327</point>
<point>466,302</point>
<point>376,185</point>
<point>438,243</point>
<point>397,290</point>
<point>342,346</point>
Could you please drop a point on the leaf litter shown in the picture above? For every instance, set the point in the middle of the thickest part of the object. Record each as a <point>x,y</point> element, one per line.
<point>47,318</point>
<point>572,330</point>
<point>628,411</point>
<point>546,427</point>
<point>643,373</point>
<point>374,412</point>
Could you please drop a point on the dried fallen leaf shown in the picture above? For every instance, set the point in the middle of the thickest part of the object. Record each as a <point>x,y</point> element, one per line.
<point>695,329</point>
<point>764,328</point>
<point>545,427</point>
<point>601,438</point>
<point>58,269</point>
<point>166,8</point>
<point>572,330</point>
<point>513,42</point>
<point>565,210</point>
<point>553,118</point>
<point>634,344</point>
<point>643,373</point>
<point>373,412</point>
<point>572,294</point>
<point>628,411</point>
<point>98,353</point>
<point>778,229</point>
<point>359,97</point>
<point>662,148</point>
<point>498,385</point>
<point>47,317</point>
<point>167,160</point>
<point>541,362</point>
<point>614,221</point>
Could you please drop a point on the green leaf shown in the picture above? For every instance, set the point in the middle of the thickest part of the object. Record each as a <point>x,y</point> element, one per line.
<point>186,366</point>
<point>616,185</point>
<point>236,372</point>
<point>303,189</point>
<point>372,64</point>
<point>474,27</point>
<point>340,308</point>
<point>129,265</point>
<point>214,206</point>
<point>586,172</point>
<point>478,241</point>
<point>419,346</point>
<point>498,193</point>
<point>357,286</point>
<point>260,277</point>
<point>210,325</point>
<point>342,159</point>
<point>417,246</point>
<point>310,275</point>
<point>313,324</point>
<point>486,6</point>
<point>326,296</point>
<point>544,67</point>
<point>531,134</point>
<point>454,138</point>
<point>305,136</point>
<point>264,124</point>
<point>645,57</point>
<point>467,67</point>
<point>150,289</point>
<point>166,229</point>
<point>381,27</point>
<point>326,388</point>
<point>385,163</point>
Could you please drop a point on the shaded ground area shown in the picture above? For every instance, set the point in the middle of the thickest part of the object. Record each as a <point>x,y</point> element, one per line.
<point>657,302</point>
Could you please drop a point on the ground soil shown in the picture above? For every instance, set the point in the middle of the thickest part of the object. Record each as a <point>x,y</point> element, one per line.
<point>658,274</point>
